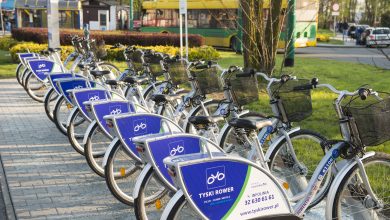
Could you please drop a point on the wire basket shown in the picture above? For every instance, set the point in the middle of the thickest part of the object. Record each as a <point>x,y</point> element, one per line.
<point>208,80</point>
<point>294,106</point>
<point>371,118</point>
<point>98,49</point>
<point>244,89</point>
<point>154,62</point>
<point>137,60</point>
<point>177,70</point>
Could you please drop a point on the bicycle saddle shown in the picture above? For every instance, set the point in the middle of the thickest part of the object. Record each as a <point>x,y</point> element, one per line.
<point>99,73</point>
<point>249,124</point>
<point>136,80</point>
<point>161,98</point>
<point>54,49</point>
<point>205,120</point>
<point>112,82</point>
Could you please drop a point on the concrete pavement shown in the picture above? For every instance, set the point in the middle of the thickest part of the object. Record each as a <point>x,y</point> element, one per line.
<point>47,179</point>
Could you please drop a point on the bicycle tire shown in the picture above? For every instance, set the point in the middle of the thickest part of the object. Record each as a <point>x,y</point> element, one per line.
<point>47,101</point>
<point>31,91</point>
<point>111,175</point>
<point>23,77</point>
<point>18,73</point>
<point>89,154</point>
<point>336,212</point>
<point>61,125</point>
<point>110,67</point>
<point>73,139</point>
<point>140,201</point>
<point>175,207</point>
<point>312,135</point>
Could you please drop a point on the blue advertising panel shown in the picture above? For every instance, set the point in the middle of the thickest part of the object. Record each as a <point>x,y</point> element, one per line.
<point>53,77</point>
<point>41,68</point>
<point>23,56</point>
<point>110,108</point>
<point>227,189</point>
<point>134,126</point>
<point>174,146</point>
<point>88,95</point>
<point>68,84</point>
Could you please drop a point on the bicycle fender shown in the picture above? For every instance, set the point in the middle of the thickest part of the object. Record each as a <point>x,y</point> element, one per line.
<point>337,181</point>
<point>140,178</point>
<point>277,141</point>
<point>109,149</point>
<point>74,110</point>
<point>226,126</point>
<point>88,131</point>
<point>171,204</point>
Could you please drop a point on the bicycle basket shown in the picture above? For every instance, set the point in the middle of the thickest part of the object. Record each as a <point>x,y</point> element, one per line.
<point>294,106</point>
<point>371,118</point>
<point>137,60</point>
<point>177,70</point>
<point>98,49</point>
<point>207,79</point>
<point>154,62</point>
<point>244,89</point>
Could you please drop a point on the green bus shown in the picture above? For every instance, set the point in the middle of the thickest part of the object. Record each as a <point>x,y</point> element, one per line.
<point>216,20</point>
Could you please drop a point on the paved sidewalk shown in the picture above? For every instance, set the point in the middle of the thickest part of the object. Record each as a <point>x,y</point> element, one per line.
<point>47,178</point>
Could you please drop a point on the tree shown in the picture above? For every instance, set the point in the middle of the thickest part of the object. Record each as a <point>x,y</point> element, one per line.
<point>261,31</point>
<point>385,19</point>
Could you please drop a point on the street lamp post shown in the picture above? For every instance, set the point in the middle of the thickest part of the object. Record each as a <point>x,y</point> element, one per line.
<point>131,15</point>
<point>291,20</point>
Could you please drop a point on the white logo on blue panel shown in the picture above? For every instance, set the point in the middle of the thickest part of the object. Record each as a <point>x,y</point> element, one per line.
<point>41,65</point>
<point>115,110</point>
<point>176,148</point>
<point>93,96</point>
<point>140,126</point>
<point>215,177</point>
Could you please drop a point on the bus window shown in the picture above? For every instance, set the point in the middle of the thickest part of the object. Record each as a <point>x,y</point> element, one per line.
<point>192,18</point>
<point>204,19</point>
<point>149,18</point>
<point>167,18</point>
<point>305,34</point>
<point>298,34</point>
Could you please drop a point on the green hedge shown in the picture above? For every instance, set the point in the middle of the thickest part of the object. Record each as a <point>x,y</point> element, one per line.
<point>196,53</point>
<point>39,35</point>
<point>7,42</point>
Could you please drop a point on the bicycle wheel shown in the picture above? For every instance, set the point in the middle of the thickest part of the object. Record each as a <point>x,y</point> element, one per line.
<point>309,153</point>
<point>115,72</point>
<point>49,103</point>
<point>352,200</point>
<point>121,172</point>
<point>95,147</point>
<point>61,113</point>
<point>211,108</point>
<point>179,209</point>
<point>152,195</point>
<point>23,77</point>
<point>76,128</point>
<point>35,88</point>
<point>18,72</point>
<point>236,144</point>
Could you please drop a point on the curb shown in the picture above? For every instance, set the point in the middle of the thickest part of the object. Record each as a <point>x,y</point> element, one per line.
<point>339,46</point>
<point>9,207</point>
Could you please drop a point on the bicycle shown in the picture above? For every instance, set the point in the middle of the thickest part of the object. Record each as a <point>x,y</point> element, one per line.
<point>354,157</point>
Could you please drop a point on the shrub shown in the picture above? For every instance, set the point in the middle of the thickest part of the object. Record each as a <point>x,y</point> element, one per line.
<point>7,42</point>
<point>36,48</point>
<point>204,52</point>
<point>323,37</point>
<point>39,35</point>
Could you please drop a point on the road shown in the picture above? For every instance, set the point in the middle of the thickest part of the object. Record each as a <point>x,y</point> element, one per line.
<point>371,56</point>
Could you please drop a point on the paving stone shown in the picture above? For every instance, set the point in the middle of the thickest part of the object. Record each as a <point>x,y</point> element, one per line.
<point>47,178</point>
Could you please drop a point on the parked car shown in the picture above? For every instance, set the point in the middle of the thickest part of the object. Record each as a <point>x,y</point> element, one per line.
<point>378,36</point>
<point>352,29</point>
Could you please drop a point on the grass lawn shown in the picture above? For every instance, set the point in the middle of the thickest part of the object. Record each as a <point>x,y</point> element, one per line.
<point>323,119</point>
<point>7,68</point>
<point>330,34</point>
